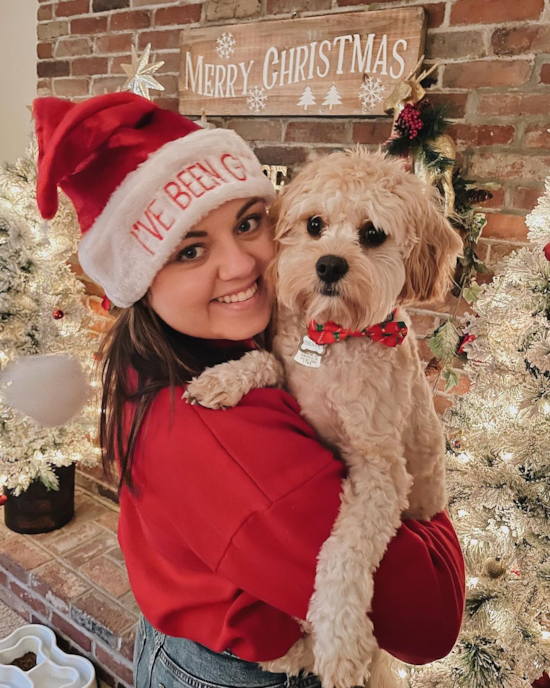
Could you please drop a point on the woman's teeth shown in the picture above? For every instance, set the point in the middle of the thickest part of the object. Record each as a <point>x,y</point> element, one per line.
<point>241,296</point>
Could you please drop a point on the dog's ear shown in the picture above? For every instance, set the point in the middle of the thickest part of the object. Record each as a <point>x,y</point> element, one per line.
<point>432,261</point>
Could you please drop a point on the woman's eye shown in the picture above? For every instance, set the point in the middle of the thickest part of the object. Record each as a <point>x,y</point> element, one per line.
<point>315,225</point>
<point>371,235</point>
<point>249,225</point>
<point>190,253</point>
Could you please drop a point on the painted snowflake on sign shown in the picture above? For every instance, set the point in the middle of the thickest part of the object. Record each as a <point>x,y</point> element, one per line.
<point>226,45</point>
<point>256,100</point>
<point>370,93</point>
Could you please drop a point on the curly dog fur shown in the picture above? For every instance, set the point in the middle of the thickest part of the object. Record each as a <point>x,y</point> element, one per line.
<point>369,402</point>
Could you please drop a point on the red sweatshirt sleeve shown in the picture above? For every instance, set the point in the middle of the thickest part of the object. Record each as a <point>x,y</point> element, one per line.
<point>254,494</point>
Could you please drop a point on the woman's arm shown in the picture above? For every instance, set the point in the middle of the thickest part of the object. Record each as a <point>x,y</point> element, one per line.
<point>255,495</point>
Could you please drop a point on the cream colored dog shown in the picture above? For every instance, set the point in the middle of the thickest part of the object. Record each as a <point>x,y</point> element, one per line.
<point>358,237</point>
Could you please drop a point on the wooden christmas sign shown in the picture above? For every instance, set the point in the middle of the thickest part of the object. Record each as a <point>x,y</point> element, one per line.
<point>342,64</point>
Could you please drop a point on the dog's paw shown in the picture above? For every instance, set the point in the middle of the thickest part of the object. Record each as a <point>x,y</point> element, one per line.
<point>298,658</point>
<point>342,672</point>
<point>210,389</point>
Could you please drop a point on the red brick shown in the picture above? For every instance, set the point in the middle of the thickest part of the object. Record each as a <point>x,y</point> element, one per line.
<point>284,155</point>
<point>454,44</point>
<point>109,520</point>
<point>442,403</point>
<point>14,603</point>
<point>258,129</point>
<point>526,197</point>
<point>499,250</point>
<point>102,617</point>
<point>68,88</point>
<point>118,43</point>
<point>44,51</point>
<point>53,68</point>
<point>73,537</point>
<point>71,631</point>
<point>29,599</point>
<point>58,584</point>
<point>71,7</point>
<point>545,73</point>
<point>451,304</point>
<point>122,21</point>
<point>172,62</point>
<point>88,25</point>
<point>481,73</point>
<point>463,386</point>
<point>89,66</point>
<point>509,166</point>
<point>371,131</point>
<point>170,83</point>
<point>522,39</point>
<point>436,14</point>
<point>289,6</point>
<point>159,40</point>
<point>43,87</point>
<point>456,101</point>
<point>141,3</point>
<point>45,12</point>
<point>91,549</point>
<point>107,575</point>
<point>509,227</point>
<point>108,5</point>
<point>497,200</point>
<point>171,104</point>
<point>19,556</point>
<point>316,132</point>
<point>513,104</point>
<point>538,136</point>
<point>121,670</point>
<point>422,324</point>
<point>3,580</point>
<point>467,135</point>
<point>73,47</point>
<point>491,11</point>
<point>185,14</point>
<point>127,640</point>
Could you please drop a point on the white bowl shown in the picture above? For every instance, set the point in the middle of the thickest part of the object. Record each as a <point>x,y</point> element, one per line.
<point>54,668</point>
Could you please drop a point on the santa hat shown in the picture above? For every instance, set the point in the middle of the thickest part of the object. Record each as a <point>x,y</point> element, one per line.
<point>140,177</point>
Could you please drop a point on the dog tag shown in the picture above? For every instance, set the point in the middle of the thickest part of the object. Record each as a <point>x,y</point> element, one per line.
<point>310,353</point>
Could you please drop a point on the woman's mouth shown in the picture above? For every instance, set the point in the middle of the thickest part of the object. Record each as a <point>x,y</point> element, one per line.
<point>240,297</point>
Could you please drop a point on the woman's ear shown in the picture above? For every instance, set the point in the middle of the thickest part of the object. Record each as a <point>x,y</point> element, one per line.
<point>432,261</point>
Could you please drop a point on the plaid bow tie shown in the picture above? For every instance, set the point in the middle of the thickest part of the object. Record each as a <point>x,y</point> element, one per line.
<point>391,332</point>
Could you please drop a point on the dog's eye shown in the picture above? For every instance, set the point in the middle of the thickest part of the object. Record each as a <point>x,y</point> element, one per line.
<point>315,225</point>
<point>371,235</point>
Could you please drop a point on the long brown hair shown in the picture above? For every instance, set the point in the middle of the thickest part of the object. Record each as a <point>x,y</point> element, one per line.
<point>162,357</point>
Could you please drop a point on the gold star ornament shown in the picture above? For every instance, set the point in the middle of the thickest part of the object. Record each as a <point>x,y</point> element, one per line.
<point>139,74</point>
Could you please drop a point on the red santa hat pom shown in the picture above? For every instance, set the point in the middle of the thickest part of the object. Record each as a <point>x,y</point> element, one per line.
<point>51,388</point>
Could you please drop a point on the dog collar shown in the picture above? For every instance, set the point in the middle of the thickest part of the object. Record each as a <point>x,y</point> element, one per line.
<point>391,332</point>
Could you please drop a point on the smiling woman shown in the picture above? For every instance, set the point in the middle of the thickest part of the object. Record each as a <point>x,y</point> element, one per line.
<point>222,513</point>
<point>214,288</point>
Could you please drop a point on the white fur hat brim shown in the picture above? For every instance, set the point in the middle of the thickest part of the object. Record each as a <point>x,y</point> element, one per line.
<point>149,214</point>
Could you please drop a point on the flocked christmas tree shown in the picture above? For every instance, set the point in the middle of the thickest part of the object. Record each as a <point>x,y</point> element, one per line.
<point>499,476</point>
<point>41,312</point>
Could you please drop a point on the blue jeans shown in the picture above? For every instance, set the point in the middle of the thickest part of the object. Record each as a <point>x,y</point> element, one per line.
<point>161,661</point>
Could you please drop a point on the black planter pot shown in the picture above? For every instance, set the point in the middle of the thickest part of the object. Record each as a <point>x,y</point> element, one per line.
<point>39,510</point>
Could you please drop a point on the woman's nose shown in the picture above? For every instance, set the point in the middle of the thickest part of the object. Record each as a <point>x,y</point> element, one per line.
<point>236,262</point>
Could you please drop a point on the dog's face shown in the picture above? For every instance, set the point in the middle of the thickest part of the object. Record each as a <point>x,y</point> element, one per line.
<point>357,235</point>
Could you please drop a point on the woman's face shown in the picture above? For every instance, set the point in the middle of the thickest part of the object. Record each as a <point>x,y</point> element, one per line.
<point>212,287</point>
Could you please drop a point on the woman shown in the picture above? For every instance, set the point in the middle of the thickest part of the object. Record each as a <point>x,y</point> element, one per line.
<point>222,513</point>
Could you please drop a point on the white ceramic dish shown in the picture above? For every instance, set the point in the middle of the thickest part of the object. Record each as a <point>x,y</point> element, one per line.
<point>54,668</point>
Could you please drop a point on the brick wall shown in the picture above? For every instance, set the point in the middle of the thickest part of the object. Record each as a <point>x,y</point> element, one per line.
<point>495,70</point>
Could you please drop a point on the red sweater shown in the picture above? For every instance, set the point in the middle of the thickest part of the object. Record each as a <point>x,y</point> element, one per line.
<point>232,508</point>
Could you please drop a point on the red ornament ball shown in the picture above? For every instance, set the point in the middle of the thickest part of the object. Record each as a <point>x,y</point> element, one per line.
<point>547,251</point>
<point>58,314</point>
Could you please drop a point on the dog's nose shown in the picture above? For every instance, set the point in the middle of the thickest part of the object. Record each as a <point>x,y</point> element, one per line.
<point>331,268</point>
